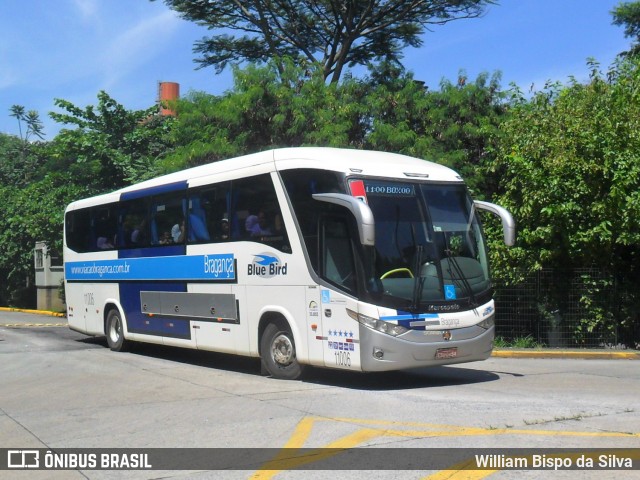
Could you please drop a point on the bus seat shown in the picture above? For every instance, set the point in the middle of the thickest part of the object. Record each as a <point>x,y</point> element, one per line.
<point>154,232</point>
<point>198,231</point>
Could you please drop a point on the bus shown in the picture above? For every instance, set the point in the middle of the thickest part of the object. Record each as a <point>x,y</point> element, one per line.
<point>338,258</point>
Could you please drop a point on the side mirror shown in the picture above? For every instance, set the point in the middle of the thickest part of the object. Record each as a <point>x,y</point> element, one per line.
<point>508,223</point>
<point>359,209</point>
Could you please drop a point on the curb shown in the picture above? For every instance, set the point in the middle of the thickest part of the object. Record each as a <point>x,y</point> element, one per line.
<point>587,354</point>
<point>37,312</point>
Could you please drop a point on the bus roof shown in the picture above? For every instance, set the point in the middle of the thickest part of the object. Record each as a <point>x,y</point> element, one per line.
<point>348,161</point>
<point>363,162</point>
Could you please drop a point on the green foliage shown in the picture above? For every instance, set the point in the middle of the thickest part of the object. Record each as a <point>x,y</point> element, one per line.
<point>456,126</point>
<point>572,169</point>
<point>596,302</point>
<point>333,34</point>
<point>31,214</point>
<point>519,342</point>
<point>288,104</point>
<point>569,162</point>
<point>18,161</point>
<point>21,157</point>
<point>31,119</point>
<point>627,14</point>
<point>110,146</point>
<point>268,107</point>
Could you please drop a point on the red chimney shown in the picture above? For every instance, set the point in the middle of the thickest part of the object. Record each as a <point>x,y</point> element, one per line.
<point>167,92</point>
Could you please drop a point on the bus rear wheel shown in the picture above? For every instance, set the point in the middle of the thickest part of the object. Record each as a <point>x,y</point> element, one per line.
<point>115,332</point>
<point>278,352</point>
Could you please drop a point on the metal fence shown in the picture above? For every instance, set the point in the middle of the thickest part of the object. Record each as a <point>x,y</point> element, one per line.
<point>582,308</point>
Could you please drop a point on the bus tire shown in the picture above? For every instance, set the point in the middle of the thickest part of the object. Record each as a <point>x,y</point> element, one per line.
<point>278,352</point>
<point>115,331</point>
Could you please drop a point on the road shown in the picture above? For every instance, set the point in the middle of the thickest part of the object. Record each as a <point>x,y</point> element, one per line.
<point>60,389</point>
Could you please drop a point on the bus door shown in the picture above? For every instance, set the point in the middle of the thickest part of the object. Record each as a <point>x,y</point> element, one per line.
<point>337,266</point>
<point>315,333</point>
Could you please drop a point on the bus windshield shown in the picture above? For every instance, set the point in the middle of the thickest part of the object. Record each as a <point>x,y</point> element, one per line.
<point>429,250</point>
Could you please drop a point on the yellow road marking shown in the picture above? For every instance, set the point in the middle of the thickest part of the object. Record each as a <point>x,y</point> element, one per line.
<point>17,325</point>
<point>287,459</point>
<point>37,312</point>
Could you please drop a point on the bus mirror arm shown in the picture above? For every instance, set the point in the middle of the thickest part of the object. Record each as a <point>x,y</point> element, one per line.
<point>359,209</point>
<point>508,223</point>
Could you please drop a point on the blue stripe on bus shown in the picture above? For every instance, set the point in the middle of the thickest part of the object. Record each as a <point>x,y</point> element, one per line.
<point>137,322</point>
<point>214,267</point>
<point>152,262</point>
<point>410,316</point>
<point>405,319</point>
<point>162,327</point>
<point>160,189</point>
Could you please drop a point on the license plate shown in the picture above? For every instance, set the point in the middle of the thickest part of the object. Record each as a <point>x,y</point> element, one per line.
<point>447,353</point>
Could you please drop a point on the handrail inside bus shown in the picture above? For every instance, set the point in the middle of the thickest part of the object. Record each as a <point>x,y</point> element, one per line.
<point>359,209</point>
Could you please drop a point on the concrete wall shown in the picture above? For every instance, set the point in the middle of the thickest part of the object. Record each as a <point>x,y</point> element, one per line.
<point>49,275</point>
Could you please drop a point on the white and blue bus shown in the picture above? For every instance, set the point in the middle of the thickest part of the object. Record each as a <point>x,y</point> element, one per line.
<point>348,259</point>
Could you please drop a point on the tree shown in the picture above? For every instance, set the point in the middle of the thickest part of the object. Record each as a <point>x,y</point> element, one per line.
<point>569,163</point>
<point>22,156</point>
<point>334,33</point>
<point>29,214</point>
<point>32,120</point>
<point>267,108</point>
<point>387,110</point>
<point>456,125</point>
<point>110,146</point>
<point>14,170</point>
<point>628,15</point>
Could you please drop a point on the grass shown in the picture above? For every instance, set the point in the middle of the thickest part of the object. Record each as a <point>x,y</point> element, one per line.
<point>519,342</point>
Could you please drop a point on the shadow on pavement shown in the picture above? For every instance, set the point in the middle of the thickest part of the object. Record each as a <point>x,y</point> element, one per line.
<point>381,381</point>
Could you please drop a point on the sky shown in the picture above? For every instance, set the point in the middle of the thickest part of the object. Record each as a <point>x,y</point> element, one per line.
<point>73,49</point>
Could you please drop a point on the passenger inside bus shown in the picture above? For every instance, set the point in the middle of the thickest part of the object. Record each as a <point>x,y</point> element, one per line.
<point>139,234</point>
<point>261,227</point>
<point>177,232</point>
<point>103,243</point>
<point>224,233</point>
<point>249,223</point>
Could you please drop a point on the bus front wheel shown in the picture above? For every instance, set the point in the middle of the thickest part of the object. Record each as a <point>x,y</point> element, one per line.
<point>115,332</point>
<point>278,352</point>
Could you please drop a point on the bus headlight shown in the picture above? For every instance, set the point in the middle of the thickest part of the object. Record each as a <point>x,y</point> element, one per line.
<point>487,323</point>
<point>379,325</point>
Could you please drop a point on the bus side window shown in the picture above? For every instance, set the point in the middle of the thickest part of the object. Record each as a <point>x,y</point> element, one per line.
<point>214,210</point>
<point>133,230</point>
<point>167,220</point>
<point>78,230</point>
<point>105,226</point>
<point>257,216</point>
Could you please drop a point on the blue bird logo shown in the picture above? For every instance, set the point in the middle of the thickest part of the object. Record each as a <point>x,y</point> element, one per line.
<point>266,260</point>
